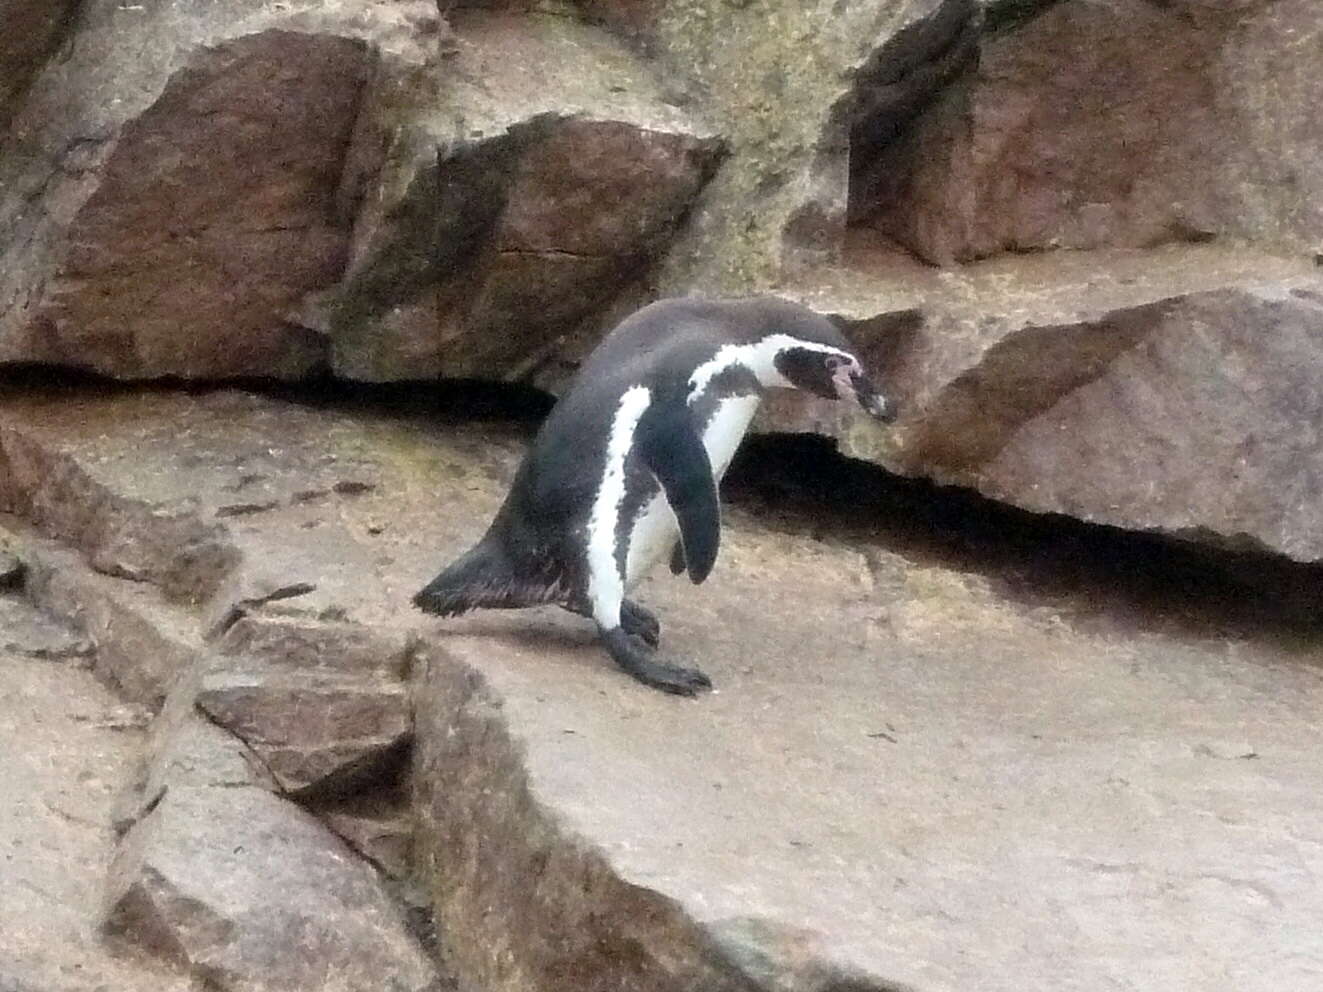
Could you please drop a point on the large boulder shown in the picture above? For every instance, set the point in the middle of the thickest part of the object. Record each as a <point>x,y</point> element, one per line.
<point>169,186</point>
<point>1120,124</point>
<point>1171,390</point>
<point>546,167</point>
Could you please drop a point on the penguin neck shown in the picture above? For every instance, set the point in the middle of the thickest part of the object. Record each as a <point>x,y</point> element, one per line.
<point>756,357</point>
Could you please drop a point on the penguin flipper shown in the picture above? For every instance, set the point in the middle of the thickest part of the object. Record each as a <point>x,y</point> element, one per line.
<point>669,445</point>
<point>677,558</point>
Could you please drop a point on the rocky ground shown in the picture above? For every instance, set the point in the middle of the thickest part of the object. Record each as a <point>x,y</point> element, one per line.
<point>280,282</point>
<point>951,746</point>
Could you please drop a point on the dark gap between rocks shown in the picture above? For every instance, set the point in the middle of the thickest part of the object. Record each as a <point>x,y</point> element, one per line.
<point>1095,576</point>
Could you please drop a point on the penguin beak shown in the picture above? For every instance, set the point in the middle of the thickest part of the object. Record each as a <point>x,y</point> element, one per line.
<point>873,402</point>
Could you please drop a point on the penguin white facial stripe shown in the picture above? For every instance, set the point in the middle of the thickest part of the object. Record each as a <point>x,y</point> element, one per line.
<point>605,583</point>
<point>759,357</point>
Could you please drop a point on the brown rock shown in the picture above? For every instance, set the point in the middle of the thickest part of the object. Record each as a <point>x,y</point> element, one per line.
<point>1222,140</point>
<point>1160,390</point>
<point>322,704</point>
<point>192,189</point>
<point>555,169</point>
<point>251,893</point>
<point>314,732</point>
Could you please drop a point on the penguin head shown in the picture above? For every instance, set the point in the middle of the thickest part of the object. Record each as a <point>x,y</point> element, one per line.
<point>813,355</point>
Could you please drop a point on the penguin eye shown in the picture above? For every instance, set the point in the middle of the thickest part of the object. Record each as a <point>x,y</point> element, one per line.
<point>834,362</point>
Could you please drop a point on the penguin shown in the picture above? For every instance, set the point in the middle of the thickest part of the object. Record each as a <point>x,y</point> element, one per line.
<point>626,467</point>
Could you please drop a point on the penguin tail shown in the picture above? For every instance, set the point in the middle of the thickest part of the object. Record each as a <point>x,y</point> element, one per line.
<point>481,577</point>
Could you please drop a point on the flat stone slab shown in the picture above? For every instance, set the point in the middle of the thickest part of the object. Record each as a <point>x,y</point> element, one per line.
<point>920,769</point>
<point>70,748</point>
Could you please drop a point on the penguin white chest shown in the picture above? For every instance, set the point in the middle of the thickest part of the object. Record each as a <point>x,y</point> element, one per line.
<point>656,529</point>
<point>725,430</point>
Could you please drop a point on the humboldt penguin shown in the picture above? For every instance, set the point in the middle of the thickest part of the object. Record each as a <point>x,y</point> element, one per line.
<point>625,469</point>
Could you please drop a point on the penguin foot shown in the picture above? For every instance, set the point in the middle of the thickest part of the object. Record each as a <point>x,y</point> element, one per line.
<point>640,622</point>
<point>658,674</point>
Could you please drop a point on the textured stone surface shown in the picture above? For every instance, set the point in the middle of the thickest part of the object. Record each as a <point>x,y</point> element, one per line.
<point>790,90</point>
<point>937,758</point>
<point>549,168</point>
<point>251,893</point>
<point>24,630</point>
<point>169,187</point>
<point>1173,390</point>
<point>32,28</point>
<point>70,748</point>
<point>143,646</point>
<point>1221,140</point>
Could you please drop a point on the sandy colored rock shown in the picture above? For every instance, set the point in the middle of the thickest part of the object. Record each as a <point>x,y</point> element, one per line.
<point>248,892</point>
<point>942,754</point>
<point>543,167</point>
<point>69,753</point>
<point>791,91</point>
<point>1223,140</point>
<point>163,211</point>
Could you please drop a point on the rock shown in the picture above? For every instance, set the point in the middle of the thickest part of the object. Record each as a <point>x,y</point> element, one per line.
<point>314,732</point>
<point>840,817</point>
<point>250,893</point>
<point>25,630</point>
<point>11,571</point>
<point>190,189</point>
<point>380,829</point>
<point>1160,391</point>
<point>553,171</point>
<point>322,704</point>
<point>1222,141</point>
<point>798,98</point>
<point>151,537</point>
<point>32,30</point>
<point>68,753</point>
<point>142,646</point>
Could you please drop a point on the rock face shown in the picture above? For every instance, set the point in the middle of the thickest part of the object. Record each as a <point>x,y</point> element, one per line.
<point>1172,390</point>
<point>251,893</point>
<point>1221,140</point>
<point>164,211</point>
<point>32,28</point>
<point>1088,733</point>
<point>554,168</point>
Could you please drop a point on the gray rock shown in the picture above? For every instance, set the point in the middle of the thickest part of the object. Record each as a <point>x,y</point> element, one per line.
<point>69,751</point>
<point>379,828</point>
<point>27,631</point>
<point>250,893</point>
<point>143,647</point>
<point>32,29</point>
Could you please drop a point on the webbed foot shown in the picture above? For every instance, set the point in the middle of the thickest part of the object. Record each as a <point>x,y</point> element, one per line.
<point>657,674</point>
